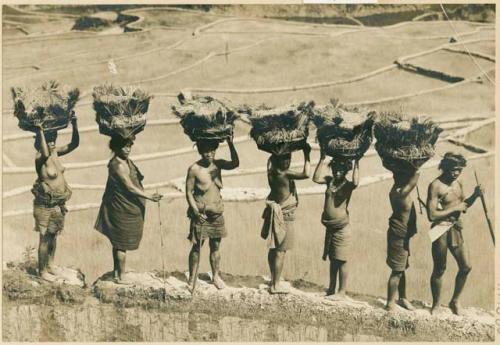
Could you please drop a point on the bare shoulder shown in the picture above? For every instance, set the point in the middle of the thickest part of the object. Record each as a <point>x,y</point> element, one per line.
<point>118,165</point>
<point>193,169</point>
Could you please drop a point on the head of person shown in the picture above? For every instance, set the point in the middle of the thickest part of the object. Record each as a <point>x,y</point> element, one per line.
<point>206,149</point>
<point>452,165</point>
<point>340,168</point>
<point>121,146</point>
<point>281,162</point>
<point>50,138</point>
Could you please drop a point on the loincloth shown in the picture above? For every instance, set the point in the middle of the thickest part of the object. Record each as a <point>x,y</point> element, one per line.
<point>209,228</point>
<point>278,223</point>
<point>48,219</point>
<point>398,251</point>
<point>452,231</point>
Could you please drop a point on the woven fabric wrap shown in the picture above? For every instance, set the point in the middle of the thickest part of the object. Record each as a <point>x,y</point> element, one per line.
<point>50,104</point>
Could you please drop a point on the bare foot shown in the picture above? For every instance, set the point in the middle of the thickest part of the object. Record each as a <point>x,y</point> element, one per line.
<point>391,307</point>
<point>55,270</point>
<point>403,302</point>
<point>122,281</point>
<point>455,307</point>
<point>278,289</point>
<point>330,292</point>
<point>436,310</point>
<point>48,276</point>
<point>218,282</point>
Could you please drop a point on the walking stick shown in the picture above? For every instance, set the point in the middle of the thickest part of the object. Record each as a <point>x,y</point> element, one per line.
<point>483,202</point>
<point>162,248</point>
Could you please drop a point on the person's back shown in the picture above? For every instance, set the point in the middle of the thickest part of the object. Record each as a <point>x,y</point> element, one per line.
<point>401,205</point>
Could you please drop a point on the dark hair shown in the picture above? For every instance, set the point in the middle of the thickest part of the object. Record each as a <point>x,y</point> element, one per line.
<point>346,164</point>
<point>118,142</point>
<point>49,137</point>
<point>207,145</point>
<point>452,160</point>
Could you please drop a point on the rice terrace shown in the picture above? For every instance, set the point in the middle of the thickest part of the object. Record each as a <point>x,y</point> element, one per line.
<point>415,60</point>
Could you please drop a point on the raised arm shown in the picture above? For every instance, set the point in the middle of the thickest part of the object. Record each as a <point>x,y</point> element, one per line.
<point>306,171</point>
<point>123,173</point>
<point>44,148</point>
<point>234,162</point>
<point>473,197</point>
<point>319,176</point>
<point>75,139</point>
<point>355,174</point>
<point>412,183</point>
<point>433,213</point>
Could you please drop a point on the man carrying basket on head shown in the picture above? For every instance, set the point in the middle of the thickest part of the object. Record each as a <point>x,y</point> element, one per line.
<point>280,131</point>
<point>207,122</point>
<point>404,146</point>
<point>45,110</point>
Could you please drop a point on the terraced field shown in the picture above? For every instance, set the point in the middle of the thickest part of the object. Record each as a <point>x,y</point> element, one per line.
<point>252,61</point>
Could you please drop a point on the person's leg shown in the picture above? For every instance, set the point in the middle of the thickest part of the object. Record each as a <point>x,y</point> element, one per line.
<point>43,257</point>
<point>343,273</point>
<point>334,268</point>
<point>439,254</point>
<point>121,256</point>
<point>116,267</point>
<point>271,258</point>
<point>392,289</point>
<point>462,257</point>
<point>194,261</point>
<point>52,252</point>
<point>214,244</point>
<point>277,286</point>
<point>403,301</point>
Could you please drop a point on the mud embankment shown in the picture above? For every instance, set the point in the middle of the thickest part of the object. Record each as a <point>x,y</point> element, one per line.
<point>156,309</point>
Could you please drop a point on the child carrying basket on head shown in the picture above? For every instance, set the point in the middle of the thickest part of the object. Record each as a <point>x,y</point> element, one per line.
<point>345,135</point>
<point>121,114</point>
<point>280,131</point>
<point>404,146</point>
<point>207,122</point>
<point>44,110</point>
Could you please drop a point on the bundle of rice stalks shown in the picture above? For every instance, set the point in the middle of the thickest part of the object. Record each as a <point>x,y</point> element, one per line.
<point>120,110</point>
<point>50,104</point>
<point>400,139</point>
<point>280,130</point>
<point>205,118</point>
<point>343,133</point>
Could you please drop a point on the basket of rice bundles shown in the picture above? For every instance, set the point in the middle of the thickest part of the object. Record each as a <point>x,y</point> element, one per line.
<point>120,110</point>
<point>205,118</point>
<point>405,143</point>
<point>50,104</point>
<point>280,130</point>
<point>343,133</point>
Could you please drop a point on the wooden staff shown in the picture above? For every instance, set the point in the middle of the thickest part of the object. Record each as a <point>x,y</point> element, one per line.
<point>162,250</point>
<point>483,202</point>
<point>420,201</point>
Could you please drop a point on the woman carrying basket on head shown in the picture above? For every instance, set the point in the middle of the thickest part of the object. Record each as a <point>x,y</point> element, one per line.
<point>51,193</point>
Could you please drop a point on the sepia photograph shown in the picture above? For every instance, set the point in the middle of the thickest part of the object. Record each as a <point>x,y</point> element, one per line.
<point>248,172</point>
